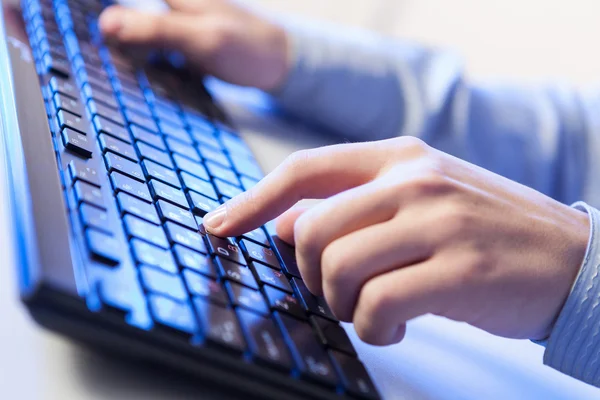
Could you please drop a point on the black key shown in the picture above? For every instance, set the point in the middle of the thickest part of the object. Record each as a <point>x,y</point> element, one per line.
<point>219,325</point>
<point>226,248</point>
<point>208,153</point>
<point>169,212</point>
<point>265,340</point>
<point>187,258</point>
<point>121,183</point>
<point>160,173</point>
<point>173,314</point>
<point>236,273</point>
<point>53,65</point>
<point>175,133</point>
<point>332,334</point>
<point>98,83</point>
<point>242,296</point>
<point>77,142</point>
<point>198,185</point>
<point>282,301</point>
<point>354,376</point>
<point>225,189</point>
<point>145,253</point>
<point>119,147</point>
<point>106,112</point>
<point>86,193</point>
<point>271,277</point>
<point>247,166</point>
<point>258,236</point>
<point>247,183</point>
<point>182,149</point>
<point>153,154</point>
<point>146,123</point>
<point>124,166</point>
<point>157,281</point>
<point>103,125</point>
<point>103,247</point>
<point>168,193</point>
<point>62,102</point>
<point>288,255</point>
<point>98,96</point>
<point>130,205</point>
<point>199,285</point>
<point>141,229</point>
<point>225,174</point>
<point>72,121</point>
<point>261,254</point>
<point>95,218</point>
<point>81,171</point>
<point>147,137</point>
<point>183,164</point>
<point>202,204</point>
<point>311,358</point>
<point>133,104</point>
<point>313,304</point>
<point>64,87</point>
<point>185,237</point>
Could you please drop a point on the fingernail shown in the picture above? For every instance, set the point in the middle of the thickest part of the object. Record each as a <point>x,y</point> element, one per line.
<point>215,218</point>
<point>111,22</point>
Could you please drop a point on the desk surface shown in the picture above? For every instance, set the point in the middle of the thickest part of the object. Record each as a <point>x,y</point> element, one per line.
<point>438,359</point>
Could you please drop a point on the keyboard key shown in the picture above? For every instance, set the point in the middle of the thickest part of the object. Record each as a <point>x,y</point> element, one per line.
<point>119,147</point>
<point>142,121</point>
<point>55,66</point>
<point>282,301</point>
<point>62,102</point>
<point>185,237</point>
<point>141,229</point>
<point>288,255</point>
<point>242,296</point>
<point>258,236</point>
<point>175,133</point>
<point>168,116</point>
<point>205,138</point>
<point>157,281</point>
<point>219,325</point>
<point>198,170</point>
<point>121,183</point>
<point>247,166</point>
<point>311,358</point>
<point>265,340</point>
<point>124,166</point>
<point>261,254</point>
<point>100,97</point>
<point>313,304</point>
<point>225,189</point>
<point>133,104</point>
<point>173,314</point>
<point>169,212</point>
<point>268,276</point>
<point>332,334</point>
<point>77,142</point>
<point>354,376</point>
<point>106,112</point>
<point>154,154</point>
<point>64,87</point>
<point>95,218</point>
<point>199,285</point>
<point>198,185</point>
<point>236,273</point>
<point>161,191</point>
<point>103,125</point>
<point>234,144</point>
<point>182,149</point>
<point>208,153</point>
<point>187,258</point>
<point>138,208</point>
<point>160,173</point>
<point>81,171</point>
<point>86,193</point>
<point>103,247</point>
<point>202,204</point>
<point>226,248</point>
<point>145,253</point>
<point>147,137</point>
<point>225,174</point>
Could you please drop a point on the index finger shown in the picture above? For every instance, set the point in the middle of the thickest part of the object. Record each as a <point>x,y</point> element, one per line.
<point>316,173</point>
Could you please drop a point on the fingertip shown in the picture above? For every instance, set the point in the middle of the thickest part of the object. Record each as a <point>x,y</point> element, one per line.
<point>111,21</point>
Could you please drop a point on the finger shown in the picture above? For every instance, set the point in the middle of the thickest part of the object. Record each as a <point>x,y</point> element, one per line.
<point>317,173</point>
<point>388,301</point>
<point>194,6</point>
<point>334,218</point>
<point>164,30</point>
<point>285,223</point>
<point>349,262</point>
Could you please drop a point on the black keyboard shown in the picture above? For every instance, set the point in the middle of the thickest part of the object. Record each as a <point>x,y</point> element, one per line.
<point>110,187</point>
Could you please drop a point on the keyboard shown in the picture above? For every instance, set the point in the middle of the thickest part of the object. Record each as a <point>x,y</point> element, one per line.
<point>113,163</point>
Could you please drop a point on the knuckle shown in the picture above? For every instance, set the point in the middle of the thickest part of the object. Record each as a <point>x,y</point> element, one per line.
<point>375,301</point>
<point>413,145</point>
<point>334,266</point>
<point>295,162</point>
<point>458,220</point>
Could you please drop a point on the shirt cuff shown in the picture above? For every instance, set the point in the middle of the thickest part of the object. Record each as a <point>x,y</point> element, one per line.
<point>574,343</point>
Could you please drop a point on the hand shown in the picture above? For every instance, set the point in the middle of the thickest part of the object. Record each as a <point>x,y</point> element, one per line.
<point>219,37</point>
<point>407,230</point>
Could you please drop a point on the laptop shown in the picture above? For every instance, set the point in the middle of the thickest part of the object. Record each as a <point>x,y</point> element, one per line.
<point>112,164</point>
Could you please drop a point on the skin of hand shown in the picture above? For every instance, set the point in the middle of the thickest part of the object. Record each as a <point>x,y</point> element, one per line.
<point>219,37</point>
<point>406,230</point>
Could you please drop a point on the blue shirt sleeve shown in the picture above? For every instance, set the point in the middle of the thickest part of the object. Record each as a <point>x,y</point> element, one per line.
<point>365,87</point>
